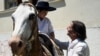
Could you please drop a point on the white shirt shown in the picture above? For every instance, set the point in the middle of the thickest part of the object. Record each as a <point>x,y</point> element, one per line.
<point>78,48</point>
<point>74,48</point>
<point>45,26</point>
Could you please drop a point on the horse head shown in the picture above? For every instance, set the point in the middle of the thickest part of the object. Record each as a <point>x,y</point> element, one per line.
<point>24,24</point>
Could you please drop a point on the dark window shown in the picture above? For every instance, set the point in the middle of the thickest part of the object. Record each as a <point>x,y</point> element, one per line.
<point>10,3</point>
<point>49,0</point>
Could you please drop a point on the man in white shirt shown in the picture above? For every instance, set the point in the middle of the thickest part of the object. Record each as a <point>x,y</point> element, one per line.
<point>77,46</point>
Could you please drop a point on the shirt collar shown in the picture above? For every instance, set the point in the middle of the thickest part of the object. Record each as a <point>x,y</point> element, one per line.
<point>73,43</point>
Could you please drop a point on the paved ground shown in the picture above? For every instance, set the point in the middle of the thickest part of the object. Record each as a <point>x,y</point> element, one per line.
<point>4,47</point>
<point>93,41</point>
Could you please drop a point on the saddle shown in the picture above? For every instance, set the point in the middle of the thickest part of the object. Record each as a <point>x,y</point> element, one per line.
<point>49,45</point>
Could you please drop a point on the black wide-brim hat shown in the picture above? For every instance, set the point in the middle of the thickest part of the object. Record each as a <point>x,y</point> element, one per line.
<point>42,5</point>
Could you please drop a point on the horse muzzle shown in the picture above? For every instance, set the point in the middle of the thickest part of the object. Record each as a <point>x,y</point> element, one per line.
<point>17,45</point>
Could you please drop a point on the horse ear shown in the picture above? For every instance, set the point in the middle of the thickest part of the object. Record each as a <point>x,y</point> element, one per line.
<point>34,2</point>
<point>18,1</point>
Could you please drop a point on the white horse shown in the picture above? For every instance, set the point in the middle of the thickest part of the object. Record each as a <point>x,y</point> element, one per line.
<point>25,39</point>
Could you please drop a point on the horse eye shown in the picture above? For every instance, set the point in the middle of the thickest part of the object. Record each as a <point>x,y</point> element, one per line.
<point>31,16</point>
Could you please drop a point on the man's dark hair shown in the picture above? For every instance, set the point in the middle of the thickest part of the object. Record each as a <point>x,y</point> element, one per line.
<point>80,29</point>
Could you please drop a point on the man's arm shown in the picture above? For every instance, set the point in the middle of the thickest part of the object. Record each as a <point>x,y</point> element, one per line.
<point>62,45</point>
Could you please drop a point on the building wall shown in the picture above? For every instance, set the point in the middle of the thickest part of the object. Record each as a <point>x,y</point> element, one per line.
<point>1,5</point>
<point>87,11</point>
<point>6,24</point>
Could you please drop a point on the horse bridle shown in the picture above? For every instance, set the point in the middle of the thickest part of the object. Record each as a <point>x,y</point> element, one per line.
<point>28,44</point>
<point>31,38</point>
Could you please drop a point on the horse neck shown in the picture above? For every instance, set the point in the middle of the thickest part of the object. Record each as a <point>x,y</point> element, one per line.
<point>36,45</point>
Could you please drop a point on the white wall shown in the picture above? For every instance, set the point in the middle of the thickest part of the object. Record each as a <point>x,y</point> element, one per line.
<point>6,24</point>
<point>1,5</point>
<point>87,11</point>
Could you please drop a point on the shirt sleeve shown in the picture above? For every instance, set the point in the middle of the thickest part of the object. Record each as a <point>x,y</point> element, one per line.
<point>50,27</point>
<point>62,45</point>
<point>79,51</point>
